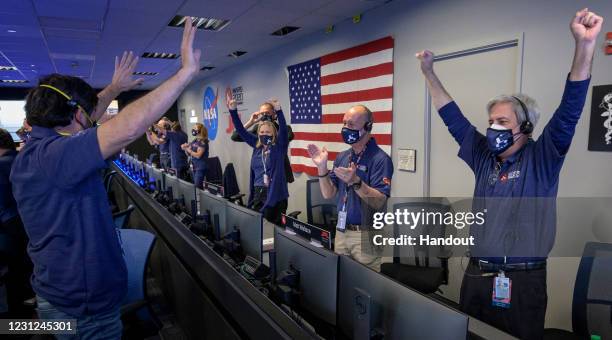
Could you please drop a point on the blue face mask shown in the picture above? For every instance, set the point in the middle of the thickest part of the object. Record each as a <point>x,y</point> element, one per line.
<point>265,139</point>
<point>194,132</point>
<point>499,139</point>
<point>350,136</point>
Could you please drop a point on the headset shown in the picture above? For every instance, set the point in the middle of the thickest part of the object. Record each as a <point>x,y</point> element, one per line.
<point>71,102</point>
<point>526,126</point>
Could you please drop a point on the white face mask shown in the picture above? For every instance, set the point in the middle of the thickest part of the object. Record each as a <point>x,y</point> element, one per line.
<point>498,127</point>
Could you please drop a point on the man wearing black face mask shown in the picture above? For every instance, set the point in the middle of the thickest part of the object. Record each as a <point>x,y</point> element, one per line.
<point>360,181</point>
<point>511,171</point>
<point>266,113</point>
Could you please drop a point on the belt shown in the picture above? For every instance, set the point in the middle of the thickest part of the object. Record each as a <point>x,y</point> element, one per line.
<point>352,227</point>
<point>507,267</point>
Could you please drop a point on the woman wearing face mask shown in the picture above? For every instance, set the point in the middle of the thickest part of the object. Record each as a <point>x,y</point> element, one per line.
<point>198,151</point>
<point>268,182</point>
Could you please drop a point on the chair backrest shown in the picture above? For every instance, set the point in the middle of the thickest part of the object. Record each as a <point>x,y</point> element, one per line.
<point>214,173</point>
<point>121,218</point>
<point>592,303</point>
<point>320,211</point>
<point>137,245</point>
<point>108,178</point>
<point>230,182</point>
<point>420,255</point>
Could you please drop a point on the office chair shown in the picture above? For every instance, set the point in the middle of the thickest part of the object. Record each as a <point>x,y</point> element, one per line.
<point>108,178</point>
<point>592,302</point>
<point>230,185</point>
<point>137,246</point>
<point>121,218</point>
<point>425,269</point>
<point>320,212</point>
<point>214,173</point>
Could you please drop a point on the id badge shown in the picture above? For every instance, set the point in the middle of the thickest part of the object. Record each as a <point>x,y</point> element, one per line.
<point>266,180</point>
<point>341,225</point>
<point>502,291</point>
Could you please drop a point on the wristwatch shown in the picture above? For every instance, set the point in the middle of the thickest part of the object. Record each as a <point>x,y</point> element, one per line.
<point>357,185</point>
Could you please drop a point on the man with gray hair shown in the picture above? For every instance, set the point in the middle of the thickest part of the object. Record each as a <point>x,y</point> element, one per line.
<point>505,282</point>
<point>360,180</point>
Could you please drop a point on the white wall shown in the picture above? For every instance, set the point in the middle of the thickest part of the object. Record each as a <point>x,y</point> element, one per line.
<point>441,26</point>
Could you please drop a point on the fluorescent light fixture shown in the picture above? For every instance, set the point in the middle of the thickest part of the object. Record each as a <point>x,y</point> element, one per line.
<point>237,54</point>
<point>285,30</point>
<point>160,55</point>
<point>193,119</point>
<point>16,81</point>
<point>145,73</point>
<point>210,24</point>
<point>11,31</point>
<point>8,68</point>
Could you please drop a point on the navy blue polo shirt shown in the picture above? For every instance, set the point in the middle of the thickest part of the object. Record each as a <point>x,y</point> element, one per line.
<point>199,163</point>
<point>178,158</point>
<point>375,169</point>
<point>8,206</point>
<point>77,256</point>
<point>520,193</point>
<point>165,147</point>
<point>257,166</point>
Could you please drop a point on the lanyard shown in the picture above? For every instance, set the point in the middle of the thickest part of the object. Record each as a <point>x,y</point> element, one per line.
<point>263,160</point>
<point>345,199</point>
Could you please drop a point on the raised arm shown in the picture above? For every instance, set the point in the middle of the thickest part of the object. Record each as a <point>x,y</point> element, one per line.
<point>122,81</point>
<point>249,138</point>
<point>450,113</point>
<point>585,26</point>
<point>282,123</point>
<point>131,122</point>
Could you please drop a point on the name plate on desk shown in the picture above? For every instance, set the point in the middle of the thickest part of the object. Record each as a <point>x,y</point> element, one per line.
<point>214,189</point>
<point>317,236</point>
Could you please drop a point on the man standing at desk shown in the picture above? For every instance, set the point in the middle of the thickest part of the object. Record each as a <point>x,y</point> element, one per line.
<point>79,270</point>
<point>505,282</point>
<point>360,181</point>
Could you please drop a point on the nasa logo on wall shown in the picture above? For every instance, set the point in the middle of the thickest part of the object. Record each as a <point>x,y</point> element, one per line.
<point>210,117</point>
<point>600,129</point>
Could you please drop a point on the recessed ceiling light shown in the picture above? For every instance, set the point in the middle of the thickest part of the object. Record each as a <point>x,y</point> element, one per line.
<point>207,68</point>
<point>210,24</point>
<point>285,30</point>
<point>159,55</point>
<point>14,81</point>
<point>32,65</point>
<point>11,31</point>
<point>237,54</point>
<point>145,73</point>
<point>8,68</point>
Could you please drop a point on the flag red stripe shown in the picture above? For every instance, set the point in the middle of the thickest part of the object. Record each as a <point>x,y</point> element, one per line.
<point>358,96</point>
<point>310,170</point>
<point>379,117</point>
<point>304,153</point>
<point>381,139</point>
<point>358,74</point>
<point>358,51</point>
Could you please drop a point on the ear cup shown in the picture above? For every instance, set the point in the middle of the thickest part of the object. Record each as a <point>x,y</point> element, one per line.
<point>526,127</point>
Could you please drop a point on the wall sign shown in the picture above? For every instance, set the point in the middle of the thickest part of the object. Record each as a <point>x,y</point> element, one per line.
<point>211,112</point>
<point>600,130</point>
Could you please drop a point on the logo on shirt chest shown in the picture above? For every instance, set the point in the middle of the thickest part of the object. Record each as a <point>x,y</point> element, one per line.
<point>510,175</point>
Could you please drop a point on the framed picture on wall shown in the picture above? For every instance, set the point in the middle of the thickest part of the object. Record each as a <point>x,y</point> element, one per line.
<point>600,130</point>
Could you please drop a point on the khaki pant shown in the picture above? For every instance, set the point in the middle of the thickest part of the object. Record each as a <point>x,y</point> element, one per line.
<point>349,243</point>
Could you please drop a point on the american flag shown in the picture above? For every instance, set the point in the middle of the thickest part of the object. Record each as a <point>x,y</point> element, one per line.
<point>323,89</point>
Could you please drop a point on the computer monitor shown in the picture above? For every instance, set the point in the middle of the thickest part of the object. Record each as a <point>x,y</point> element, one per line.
<point>171,181</point>
<point>250,224</point>
<point>187,190</point>
<point>318,270</point>
<point>158,176</point>
<point>396,310</point>
<point>215,207</point>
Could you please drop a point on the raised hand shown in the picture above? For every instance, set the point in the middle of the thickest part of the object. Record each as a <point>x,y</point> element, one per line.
<point>426,58</point>
<point>275,103</point>
<point>231,105</point>
<point>319,157</point>
<point>255,117</point>
<point>190,58</point>
<point>585,26</point>
<point>124,69</point>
